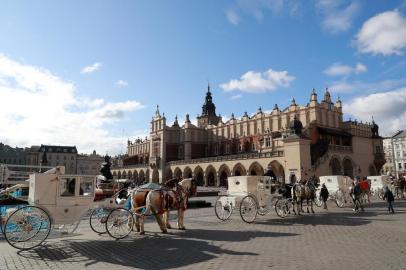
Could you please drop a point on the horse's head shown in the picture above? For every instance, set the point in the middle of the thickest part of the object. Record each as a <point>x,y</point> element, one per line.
<point>190,185</point>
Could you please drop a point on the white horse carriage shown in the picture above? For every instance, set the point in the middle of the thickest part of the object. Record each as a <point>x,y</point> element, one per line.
<point>378,183</point>
<point>252,195</point>
<point>55,200</point>
<point>339,187</point>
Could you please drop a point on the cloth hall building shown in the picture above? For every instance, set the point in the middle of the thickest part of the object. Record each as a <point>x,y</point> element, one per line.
<point>294,143</point>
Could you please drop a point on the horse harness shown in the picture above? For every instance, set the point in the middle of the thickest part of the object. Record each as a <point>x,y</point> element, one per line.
<point>178,200</point>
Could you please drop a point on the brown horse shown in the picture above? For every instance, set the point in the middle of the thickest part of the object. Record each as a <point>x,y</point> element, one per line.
<point>160,202</point>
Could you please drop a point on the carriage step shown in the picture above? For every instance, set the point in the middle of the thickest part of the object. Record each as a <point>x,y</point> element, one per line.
<point>207,193</point>
<point>198,204</point>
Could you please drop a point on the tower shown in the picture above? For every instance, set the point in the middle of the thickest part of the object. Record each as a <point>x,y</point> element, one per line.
<point>208,116</point>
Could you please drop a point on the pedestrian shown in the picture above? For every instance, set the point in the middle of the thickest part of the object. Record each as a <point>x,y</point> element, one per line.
<point>388,196</point>
<point>356,196</point>
<point>324,195</point>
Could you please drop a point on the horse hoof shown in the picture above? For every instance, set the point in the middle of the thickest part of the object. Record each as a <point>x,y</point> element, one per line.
<point>142,233</point>
<point>165,232</point>
<point>308,211</point>
<point>168,227</point>
<point>182,228</point>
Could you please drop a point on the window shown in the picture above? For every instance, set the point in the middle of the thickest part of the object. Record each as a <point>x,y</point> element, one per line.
<point>253,147</point>
<point>227,148</point>
<point>398,154</point>
<point>240,148</point>
<point>404,165</point>
<point>216,150</point>
<point>86,186</point>
<point>400,166</point>
<point>267,142</point>
<point>378,149</point>
<point>67,187</point>
<point>397,146</point>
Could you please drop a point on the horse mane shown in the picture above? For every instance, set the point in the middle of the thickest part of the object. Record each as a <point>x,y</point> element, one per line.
<point>171,183</point>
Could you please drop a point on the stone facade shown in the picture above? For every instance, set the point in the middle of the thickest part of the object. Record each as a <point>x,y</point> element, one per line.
<point>11,155</point>
<point>399,153</point>
<point>296,142</point>
<point>53,155</point>
<point>89,164</point>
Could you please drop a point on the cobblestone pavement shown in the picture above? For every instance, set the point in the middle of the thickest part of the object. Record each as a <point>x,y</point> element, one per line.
<point>334,239</point>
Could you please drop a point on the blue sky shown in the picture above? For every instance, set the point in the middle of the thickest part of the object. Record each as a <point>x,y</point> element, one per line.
<point>90,73</point>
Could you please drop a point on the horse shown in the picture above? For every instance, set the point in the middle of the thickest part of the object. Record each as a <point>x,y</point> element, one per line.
<point>304,191</point>
<point>160,202</point>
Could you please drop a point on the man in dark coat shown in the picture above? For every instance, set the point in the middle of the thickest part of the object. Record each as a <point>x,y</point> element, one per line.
<point>324,195</point>
<point>388,196</point>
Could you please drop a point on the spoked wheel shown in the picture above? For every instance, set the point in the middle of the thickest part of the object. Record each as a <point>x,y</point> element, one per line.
<point>248,209</point>
<point>27,227</point>
<point>317,200</point>
<point>119,223</point>
<point>98,219</point>
<point>281,207</point>
<point>223,208</point>
<point>340,198</point>
<point>399,193</point>
<point>380,194</point>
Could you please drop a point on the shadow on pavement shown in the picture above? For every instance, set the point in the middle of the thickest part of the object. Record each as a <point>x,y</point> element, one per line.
<point>231,236</point>
<point>345,217</point>
<point>148,252</point>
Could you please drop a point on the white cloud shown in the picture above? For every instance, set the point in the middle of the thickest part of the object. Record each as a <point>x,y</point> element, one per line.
<point>259,82</point>
<point>40,107</point>
<point>387,108</point>
<point>122,83</point>
<point>338,69</point>
<point>336,18</point>
<point>91,68</point>
<point>384,34</point>
<point>365,87</point>
<point>232,16</point>
<point>236,97</point>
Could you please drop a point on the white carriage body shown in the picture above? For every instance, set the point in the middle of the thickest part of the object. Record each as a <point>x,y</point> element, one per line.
<point>66,198</point>
<point>240,186</point>
<point>336,182</point>
<point>379,182</point>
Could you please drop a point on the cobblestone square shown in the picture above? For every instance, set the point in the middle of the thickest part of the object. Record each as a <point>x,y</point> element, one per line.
<point>333,239</point>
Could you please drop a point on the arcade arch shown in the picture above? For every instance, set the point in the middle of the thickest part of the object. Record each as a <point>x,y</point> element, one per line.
<point>239,170</point>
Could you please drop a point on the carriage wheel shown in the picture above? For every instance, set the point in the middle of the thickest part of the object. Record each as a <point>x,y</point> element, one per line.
<point>223,208</point>
<point>281,207</point>
<point>248,209</point>
<point>119,223</point>
<point>98,219</point>
<point>317,200</point>
<point>380,194</point>
<point>398,193</point>
<point>27,227</point>
<point>340,198</point>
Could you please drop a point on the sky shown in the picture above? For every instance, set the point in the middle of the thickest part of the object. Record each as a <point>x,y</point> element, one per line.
<point>91,73</point>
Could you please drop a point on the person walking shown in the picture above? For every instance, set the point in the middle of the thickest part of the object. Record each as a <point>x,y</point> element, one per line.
<point>388,196</point>
<point>356,196</point>
<point>324,196</point>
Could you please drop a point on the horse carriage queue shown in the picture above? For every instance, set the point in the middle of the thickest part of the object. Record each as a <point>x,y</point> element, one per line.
<point>57,201</point>
<point>60,201</point>
<point>257,195</point>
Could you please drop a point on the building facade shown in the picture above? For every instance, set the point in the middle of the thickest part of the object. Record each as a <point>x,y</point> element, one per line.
<point>89,164</point>
<point>296,142</point>
<point>53,155</point>
<point>11,155</point>
<point>399,153</point>
<point>388,168</point>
